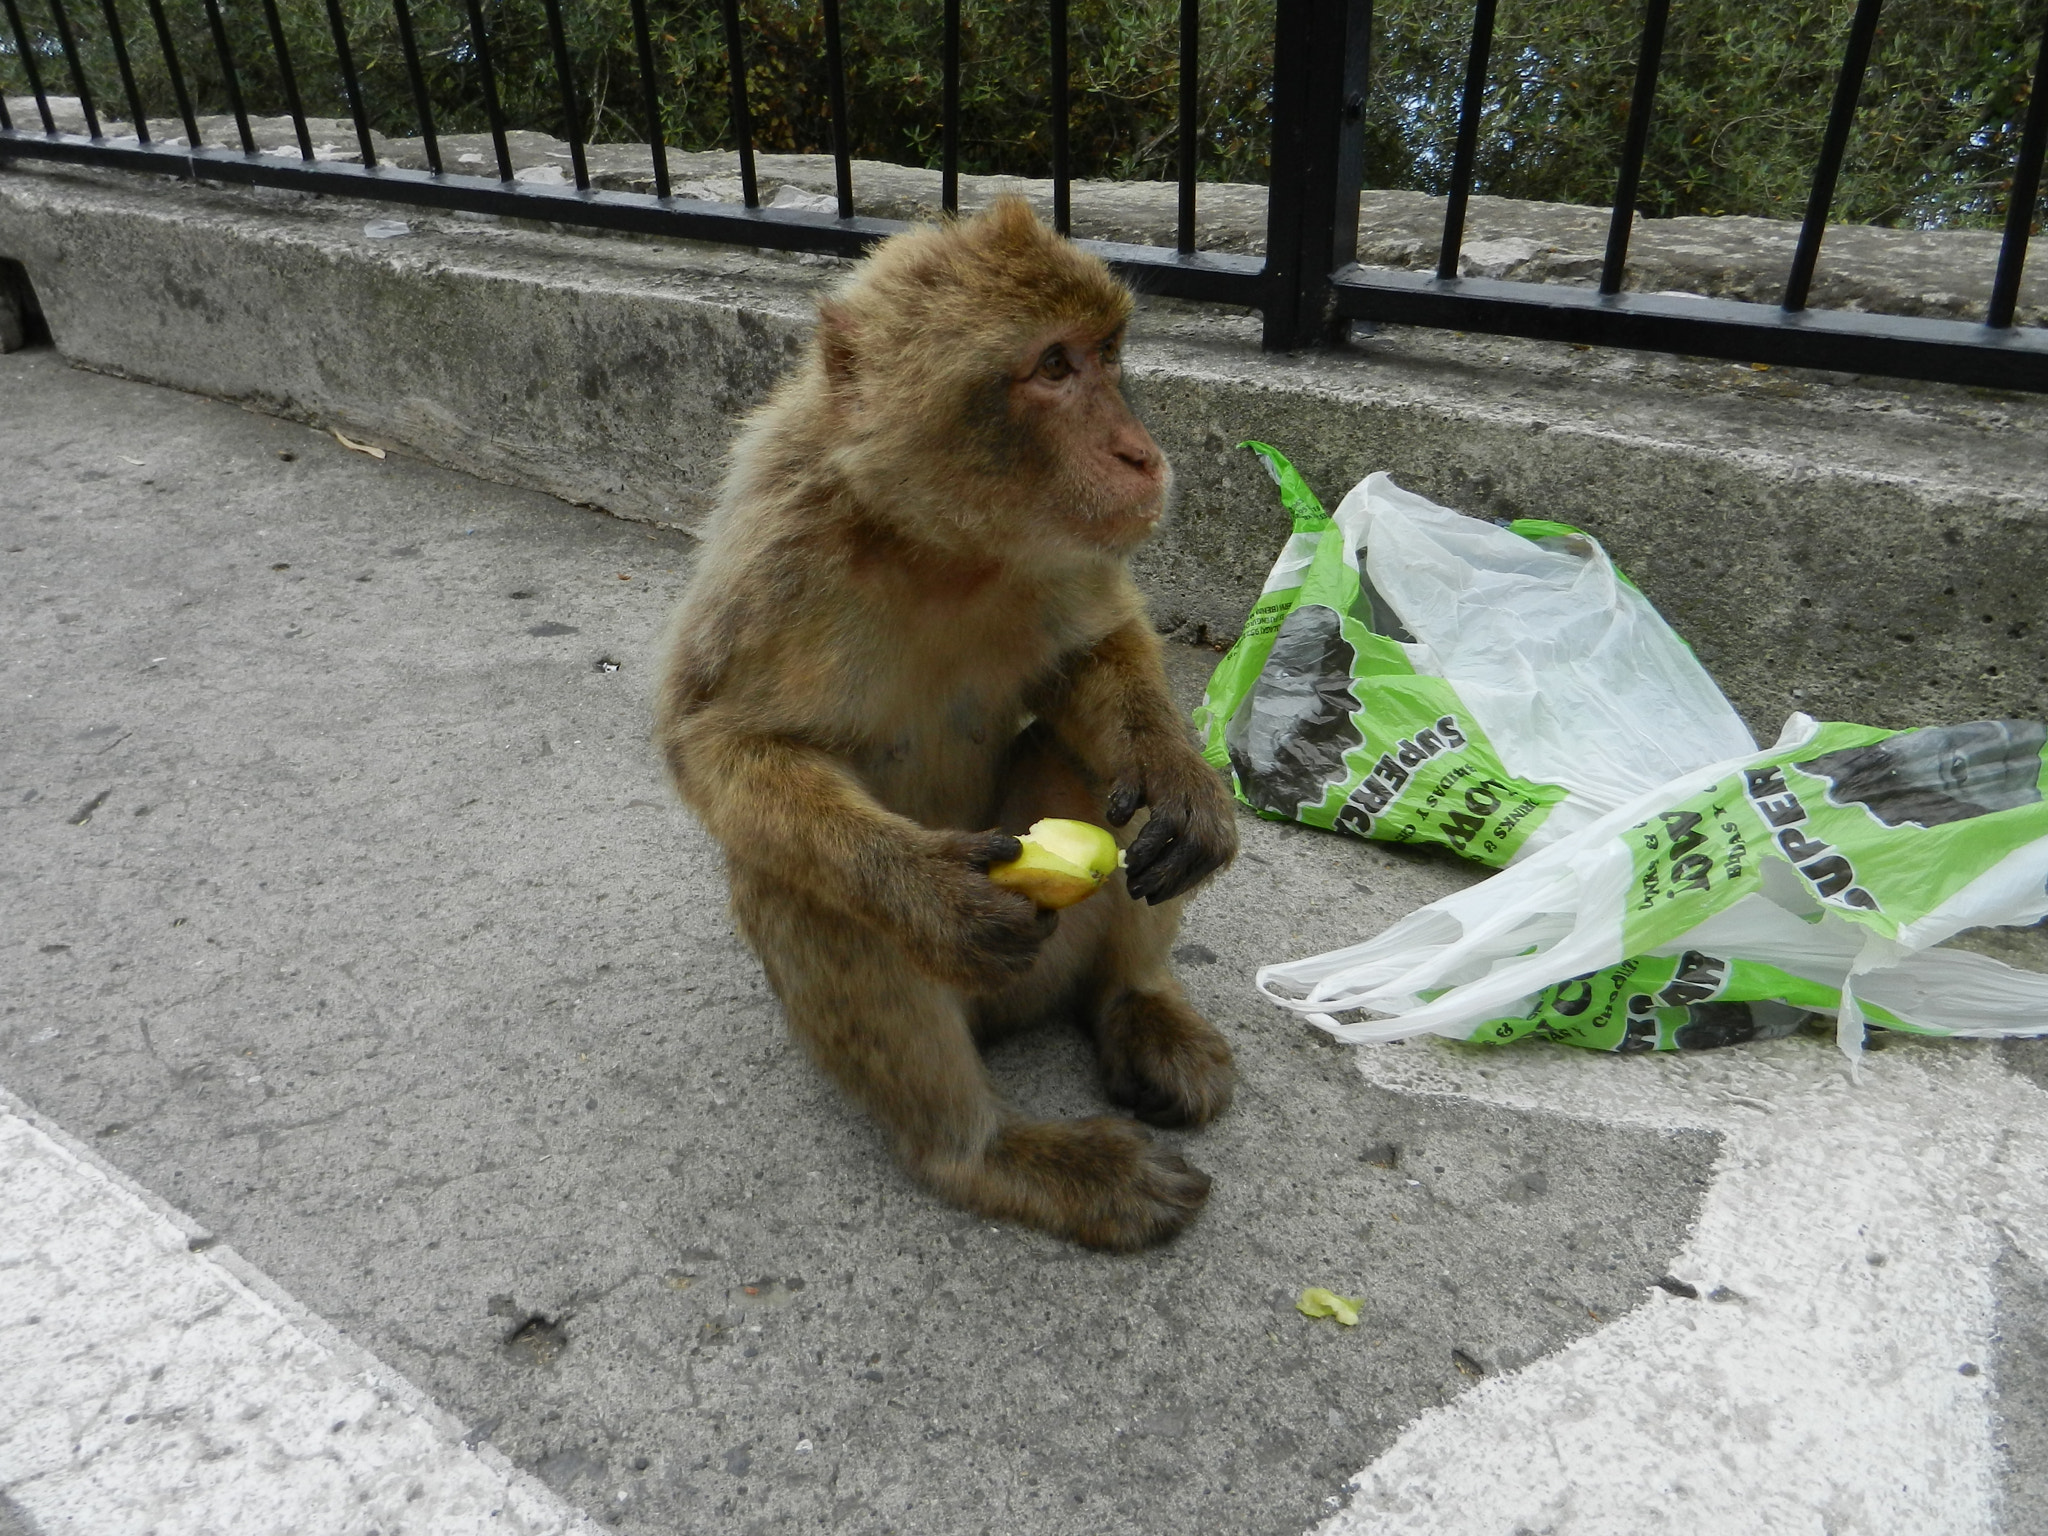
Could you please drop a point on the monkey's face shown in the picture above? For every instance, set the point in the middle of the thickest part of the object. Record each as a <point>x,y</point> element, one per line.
<point>1098,477</point>
<point>968,387</point>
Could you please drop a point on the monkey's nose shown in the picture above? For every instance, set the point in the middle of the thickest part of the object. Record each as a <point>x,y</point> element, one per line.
<point>1141,455</point>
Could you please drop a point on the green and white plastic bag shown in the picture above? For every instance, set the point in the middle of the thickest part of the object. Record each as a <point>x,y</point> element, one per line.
<point>1735,903</point>
<point>1415,675</point>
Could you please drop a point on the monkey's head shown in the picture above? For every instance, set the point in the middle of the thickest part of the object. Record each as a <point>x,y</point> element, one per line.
<point>973,376</point>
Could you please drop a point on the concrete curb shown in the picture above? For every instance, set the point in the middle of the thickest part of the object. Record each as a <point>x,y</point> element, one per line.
<point>1861,552</point>
<point>435,1446</point>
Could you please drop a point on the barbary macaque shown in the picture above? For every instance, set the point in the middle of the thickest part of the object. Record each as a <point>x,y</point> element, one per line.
<point>912,635</point>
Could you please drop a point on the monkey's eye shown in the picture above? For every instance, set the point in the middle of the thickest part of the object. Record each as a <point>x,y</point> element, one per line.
<point>1055,364</point>
<point>1112,351</point>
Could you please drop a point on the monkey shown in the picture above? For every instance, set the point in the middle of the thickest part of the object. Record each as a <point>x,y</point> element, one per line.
<point>911,634</point>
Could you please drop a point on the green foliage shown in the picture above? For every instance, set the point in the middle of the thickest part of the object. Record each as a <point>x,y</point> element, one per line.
<point>1740,106</point>
<point>1742,102</point>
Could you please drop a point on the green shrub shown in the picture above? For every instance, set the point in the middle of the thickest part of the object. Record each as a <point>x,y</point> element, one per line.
<point>1740,105</point>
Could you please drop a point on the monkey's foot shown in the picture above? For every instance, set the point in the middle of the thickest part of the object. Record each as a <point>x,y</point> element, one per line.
<point>1163,1061</point>
<point>1098,1182</point>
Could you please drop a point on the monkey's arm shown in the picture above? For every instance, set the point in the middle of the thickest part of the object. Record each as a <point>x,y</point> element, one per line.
<point>1112,708</point>
<point>790,810</point>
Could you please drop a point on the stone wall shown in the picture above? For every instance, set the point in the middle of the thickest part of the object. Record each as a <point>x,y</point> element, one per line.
<point>1863,550</point>
<point>1944,274</point>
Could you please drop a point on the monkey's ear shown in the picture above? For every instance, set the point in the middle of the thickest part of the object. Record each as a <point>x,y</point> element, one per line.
<point>837,336</point>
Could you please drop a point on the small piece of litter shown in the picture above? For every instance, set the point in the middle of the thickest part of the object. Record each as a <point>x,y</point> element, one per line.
<point>349,442</point>
<point>807,202</point>
<point>386,229</point>
<point>1317,1302</point>
<point>138,463</point>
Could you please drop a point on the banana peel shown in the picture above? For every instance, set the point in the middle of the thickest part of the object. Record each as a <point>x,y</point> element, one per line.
<point>1317,1302</point>
<point>1063,862</point>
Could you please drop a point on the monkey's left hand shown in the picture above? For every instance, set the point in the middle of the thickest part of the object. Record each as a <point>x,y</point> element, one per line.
<point>1191,833</point>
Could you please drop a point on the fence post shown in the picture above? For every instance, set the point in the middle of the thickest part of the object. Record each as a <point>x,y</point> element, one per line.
<point>1320,63</point>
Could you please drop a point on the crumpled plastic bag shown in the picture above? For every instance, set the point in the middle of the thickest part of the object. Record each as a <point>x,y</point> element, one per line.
<point>1736,902</point>
<point>1412,674</point>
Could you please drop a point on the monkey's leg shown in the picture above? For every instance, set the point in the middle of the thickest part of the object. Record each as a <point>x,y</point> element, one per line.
<point>1160,1058</point>
<point>902,1047</point>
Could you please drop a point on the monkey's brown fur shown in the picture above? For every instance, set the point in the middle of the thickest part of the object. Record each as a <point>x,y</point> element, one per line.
<point>912,627</point>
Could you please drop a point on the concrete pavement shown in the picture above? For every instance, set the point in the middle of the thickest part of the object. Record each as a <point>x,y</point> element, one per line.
<point>345,910</point>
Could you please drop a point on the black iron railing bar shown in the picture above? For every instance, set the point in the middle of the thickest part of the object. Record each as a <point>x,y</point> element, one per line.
<point>1468,139</point>
<point>1350,177</point>
<point>949,112</point>
<point>169,51</point>
<point>572,110</point>
<point>1321,54</point>
<point>1209,277</point>
<point>494,111</point>
<point>229,79</point>
<point>1898,346</point>
<point>138,117</point>
<point>70,46</point>
<point>1634,140</point>
<point>1848,86</point>
<point>28,64</point>
<point>1190,122</point>
<point>2022,200</point>
<point>842,150</point>
<point>423,111</point>
<point>6,117</point>
<point>742,119</point>
<point>1062,167</point>
<point>650,92</point>
<point>289,80</point>
<point>351,87</point>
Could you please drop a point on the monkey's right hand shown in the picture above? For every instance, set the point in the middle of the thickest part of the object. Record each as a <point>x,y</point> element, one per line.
<point>966,930</point>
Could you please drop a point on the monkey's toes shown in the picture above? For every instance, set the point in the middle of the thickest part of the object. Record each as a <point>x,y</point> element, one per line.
<point>1162,1194</point>
<point>1164,1062</point>
<point>1100,1182</point>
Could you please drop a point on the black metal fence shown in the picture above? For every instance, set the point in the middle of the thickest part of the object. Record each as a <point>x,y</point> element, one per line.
<point>1308,286</point>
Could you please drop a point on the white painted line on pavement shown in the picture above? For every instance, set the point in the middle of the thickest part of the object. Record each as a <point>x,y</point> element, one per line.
<point>1841,1383</point>
<point>145,1388</point>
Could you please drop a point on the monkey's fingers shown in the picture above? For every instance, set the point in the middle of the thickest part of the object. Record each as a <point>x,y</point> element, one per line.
<point>1155,852</point>
<point>1150,843</point>
<point>1003,941</point>
<point>1180,858</point>
<point>1125,796</point>
<point>1177,869</point>
<point>993,848</point>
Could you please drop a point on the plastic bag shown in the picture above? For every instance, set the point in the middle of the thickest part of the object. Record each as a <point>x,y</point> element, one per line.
<point>1412,674</point>
<point>1734,903</point>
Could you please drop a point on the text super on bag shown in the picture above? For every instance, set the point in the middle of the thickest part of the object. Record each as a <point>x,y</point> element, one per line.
<point>1414,675</point>
<point>1736,903</point>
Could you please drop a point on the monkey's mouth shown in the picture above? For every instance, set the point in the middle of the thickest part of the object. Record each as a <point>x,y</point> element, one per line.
<point>1124,527</point>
